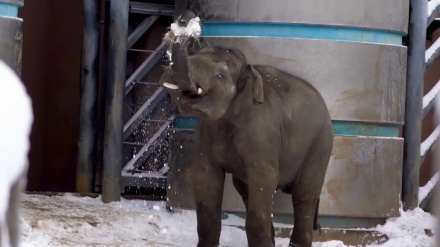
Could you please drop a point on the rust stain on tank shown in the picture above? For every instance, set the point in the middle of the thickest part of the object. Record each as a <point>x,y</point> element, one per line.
<point>374,91</point>
<point>334,188</point>
<point>344,148</point>
<point>354,172</point>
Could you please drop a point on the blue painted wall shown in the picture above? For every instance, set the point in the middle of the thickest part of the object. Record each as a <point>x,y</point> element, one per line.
<point>301,31</point>
<point>9,9</point>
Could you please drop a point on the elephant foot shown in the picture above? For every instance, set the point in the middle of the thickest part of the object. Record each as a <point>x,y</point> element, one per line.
<point>207,245</point>
<point>261,243</point>
<point>296,245</point>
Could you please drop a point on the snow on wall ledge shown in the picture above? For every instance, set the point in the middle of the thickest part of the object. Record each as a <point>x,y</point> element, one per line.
<point>16,118</point>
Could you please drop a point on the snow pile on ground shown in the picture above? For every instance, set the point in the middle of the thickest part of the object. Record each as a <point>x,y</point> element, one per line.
<point>15,122</point>
<point>75,221</point>
<point>413,228</point>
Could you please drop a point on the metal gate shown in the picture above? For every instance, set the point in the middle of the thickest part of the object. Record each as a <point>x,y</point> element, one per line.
<point>123,144</point>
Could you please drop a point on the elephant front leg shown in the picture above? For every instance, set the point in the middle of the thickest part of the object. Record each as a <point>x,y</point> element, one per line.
<point>261,186</point>
<point>208,182</point>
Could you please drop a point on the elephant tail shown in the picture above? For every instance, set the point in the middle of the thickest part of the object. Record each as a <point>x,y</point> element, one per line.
<point>316,225</point>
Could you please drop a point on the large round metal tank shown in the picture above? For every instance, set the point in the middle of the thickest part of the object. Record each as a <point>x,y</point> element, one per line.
<point>11,34</point>
<point>352,52</point>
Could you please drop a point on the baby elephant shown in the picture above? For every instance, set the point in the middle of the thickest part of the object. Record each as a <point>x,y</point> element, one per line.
<point>269,129</point>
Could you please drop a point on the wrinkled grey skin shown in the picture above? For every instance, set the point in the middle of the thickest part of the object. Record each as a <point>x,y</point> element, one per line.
<point>267,128</point>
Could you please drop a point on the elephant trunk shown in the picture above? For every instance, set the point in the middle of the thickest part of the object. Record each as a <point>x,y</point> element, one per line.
<point>180,69</point>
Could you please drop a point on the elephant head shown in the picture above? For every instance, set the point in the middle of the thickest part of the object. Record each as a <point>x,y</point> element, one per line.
<point>204,81</point>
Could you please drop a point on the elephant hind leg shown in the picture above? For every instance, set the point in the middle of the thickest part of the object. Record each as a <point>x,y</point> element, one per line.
<point>306,191</point>
<point>316,225</point>
<point>242,189</point>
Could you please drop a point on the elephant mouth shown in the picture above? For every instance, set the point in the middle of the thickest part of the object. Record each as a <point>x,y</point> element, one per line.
<point>187,93</point>
<point>191,94</point>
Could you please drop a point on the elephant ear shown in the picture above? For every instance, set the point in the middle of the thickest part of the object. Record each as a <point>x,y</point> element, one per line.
<point>237,53</point>
<point>250,84</point>
<point>258,86</point>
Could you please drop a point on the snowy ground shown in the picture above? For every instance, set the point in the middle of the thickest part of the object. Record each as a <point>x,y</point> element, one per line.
<point>83,221</point>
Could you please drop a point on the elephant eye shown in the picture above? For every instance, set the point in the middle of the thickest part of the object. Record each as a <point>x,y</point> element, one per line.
<point>220,76</point>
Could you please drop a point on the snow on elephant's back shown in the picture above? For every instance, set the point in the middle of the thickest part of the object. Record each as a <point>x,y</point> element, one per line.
<point>16,119</point>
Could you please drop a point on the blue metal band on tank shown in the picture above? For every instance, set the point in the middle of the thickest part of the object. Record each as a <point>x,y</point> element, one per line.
<point>9,9</point>
<point>301,31</point>
<point>347,128</point>
<point>324,221</point>
<point>344,128</point>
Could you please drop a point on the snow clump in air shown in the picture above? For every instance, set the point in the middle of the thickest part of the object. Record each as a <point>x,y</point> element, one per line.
<point>178,34</point>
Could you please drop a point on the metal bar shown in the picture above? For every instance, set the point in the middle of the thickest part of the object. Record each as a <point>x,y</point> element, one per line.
<point>413,103</point>
<point>89,84</point>
<point>427,153</point>
<point>143,175</point>
<point>147,83</point>
<point>151,9</point>
<point>134,144</point>
<point>144,50</point>
<point>146,150</point>
<point>430,196</point>
<point>434,26</point>
<point>156,120</point>
<point>144,180</point>
<point>117,60</point>
<point>433,10</point>
<point>140,30</point>
<point>429,98</point>
<point>144,68</point>
<point>102,79</point>
<point>432,53</point>
<point>144,110</point>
